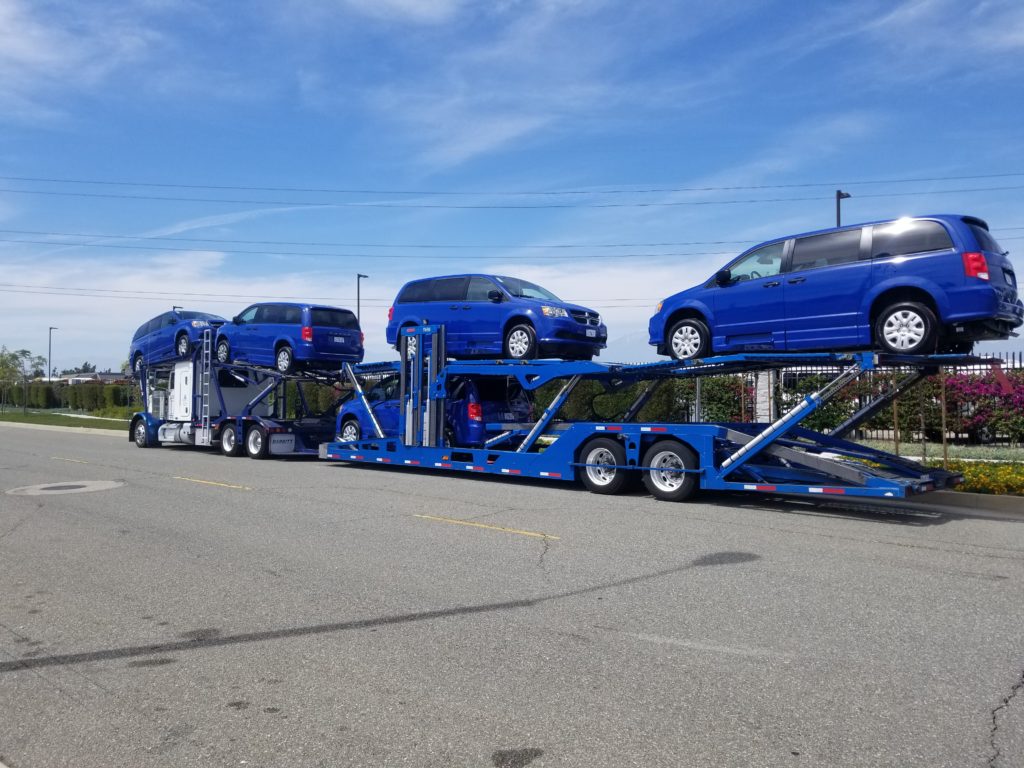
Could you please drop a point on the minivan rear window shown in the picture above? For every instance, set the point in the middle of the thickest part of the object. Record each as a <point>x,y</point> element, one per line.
<point>985,240</point>
<point>334,318</point>
<point>902,237</point>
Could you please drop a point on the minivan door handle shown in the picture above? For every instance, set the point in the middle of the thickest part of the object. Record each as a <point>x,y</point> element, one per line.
<point>772,284</point>
<point>797,280</point>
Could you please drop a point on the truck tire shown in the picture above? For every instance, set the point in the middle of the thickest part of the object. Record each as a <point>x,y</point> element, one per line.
<point>661,481</point>
<point>140,434</point>
<point>229,441</point>
<point>598,478</point>
<point>257,442</point>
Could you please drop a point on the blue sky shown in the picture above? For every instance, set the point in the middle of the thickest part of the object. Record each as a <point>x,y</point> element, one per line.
<point>491,103</point>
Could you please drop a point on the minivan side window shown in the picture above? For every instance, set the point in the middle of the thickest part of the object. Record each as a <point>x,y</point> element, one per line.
<point>764,262</point>
<point>153,325</point>
<point>901,237</point>
<point>414,293</point>
<point>169,320</point>
<point>448,289</point>
<point>826,250</point>
<point>290,315</point>
<point>478,289</point>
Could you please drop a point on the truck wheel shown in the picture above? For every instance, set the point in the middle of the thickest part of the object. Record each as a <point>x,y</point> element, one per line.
<point>350,430</point>
<point>521,342</point>
<point>604,459</point>
<point>229,441</point>
<point>285,359</point>
<point>688,338</point>
<point>182,345</point>
<point>662,479</point>
<point>257,443</point>
<point>141,434</point>
<point>223,351</point>
<point>906,328</point>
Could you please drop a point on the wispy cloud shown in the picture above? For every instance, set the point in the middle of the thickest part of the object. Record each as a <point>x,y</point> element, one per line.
<point>75,47</point>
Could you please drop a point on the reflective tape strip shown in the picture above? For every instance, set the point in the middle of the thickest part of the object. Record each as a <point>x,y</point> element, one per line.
<point>609,428</point>
<point>654,429</point>
<point>354,456</point>
<point>759,488</point>
<point>512,471</point>
<point>474,469</point>
<point>550,474</point>
<point>383,460</point>
<point>442,464</point>
<point>412,461</point>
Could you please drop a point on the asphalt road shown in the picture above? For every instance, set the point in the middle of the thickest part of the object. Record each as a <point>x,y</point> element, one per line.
<point>197,610</point>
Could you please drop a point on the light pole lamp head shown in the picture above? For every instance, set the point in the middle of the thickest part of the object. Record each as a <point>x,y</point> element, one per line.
<point>359,275</point>
<point>840,195</point>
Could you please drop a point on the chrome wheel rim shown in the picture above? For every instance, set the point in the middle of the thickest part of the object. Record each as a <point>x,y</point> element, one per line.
<point>350,432</point>
<point>182,346</point>
<point>661,475</point>
<point>140,434</point>
<point>255,441</point>
<point>518,343</point>
<point>904,329</point>
<point>686,342</point>
<point>601,475</point>
<point>284,360</point>
<point>227,439</point>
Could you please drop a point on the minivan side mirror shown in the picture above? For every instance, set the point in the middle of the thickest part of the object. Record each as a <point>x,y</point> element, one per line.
<point>495,295</point>
<point>723,277</point>
<point>237,320</point>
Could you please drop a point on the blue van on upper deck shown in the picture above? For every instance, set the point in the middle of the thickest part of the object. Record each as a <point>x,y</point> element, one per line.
<point>492,315</point>
<point>910,286</point>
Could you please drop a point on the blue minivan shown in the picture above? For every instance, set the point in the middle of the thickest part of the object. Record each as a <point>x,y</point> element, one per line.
<point>288,335</point>
<point>172,334</point>
<point>908,286</point>
<point>491,315</point>
<point>471,405</point>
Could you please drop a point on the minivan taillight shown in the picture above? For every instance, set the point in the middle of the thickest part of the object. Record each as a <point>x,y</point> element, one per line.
<point>307,333</point>
<point>474,411</point>
<point>975,265</point>
<point>391,314</point>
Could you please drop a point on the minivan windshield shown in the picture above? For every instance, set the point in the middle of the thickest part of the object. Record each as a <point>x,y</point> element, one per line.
<point>524,289</point>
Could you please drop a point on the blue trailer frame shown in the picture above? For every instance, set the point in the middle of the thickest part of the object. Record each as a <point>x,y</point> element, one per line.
<point>203,430</point>
<point>782,457</point>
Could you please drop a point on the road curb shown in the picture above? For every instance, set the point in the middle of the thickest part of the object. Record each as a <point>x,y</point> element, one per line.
<point>985,502</point>
<point>77,430</point>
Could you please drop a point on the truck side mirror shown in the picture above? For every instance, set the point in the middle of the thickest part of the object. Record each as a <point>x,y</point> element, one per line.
<point>723,277</point>
<point>495,295</point>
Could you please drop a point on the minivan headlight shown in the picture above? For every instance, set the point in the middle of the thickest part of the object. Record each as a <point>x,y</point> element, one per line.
<point>554,312</point>
<point>199,323</point>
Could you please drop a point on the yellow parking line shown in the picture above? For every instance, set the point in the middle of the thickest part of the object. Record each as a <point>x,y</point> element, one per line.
<point>516,531</point>
<point>63,458</point>
<point>211,482</point>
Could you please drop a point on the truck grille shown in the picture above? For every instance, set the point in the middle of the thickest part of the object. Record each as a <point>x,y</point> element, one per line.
<point>586,318</point>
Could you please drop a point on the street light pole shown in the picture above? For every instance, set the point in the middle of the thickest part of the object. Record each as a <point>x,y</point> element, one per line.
<point>49,355</point>
<point>840,195</point>
<point>359,277</point>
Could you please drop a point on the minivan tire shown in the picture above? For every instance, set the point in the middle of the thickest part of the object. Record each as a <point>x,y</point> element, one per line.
<point>284,360</point>
<point>688,339</point>
<point>182,345</point>
<point>906,328</point>
<point>137,365</point>
<point>223,351</point>
<point>350,430</point>
<point>520,342</point>
<point>597,479</point>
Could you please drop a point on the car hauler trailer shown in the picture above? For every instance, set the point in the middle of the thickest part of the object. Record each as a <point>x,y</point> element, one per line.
<point>242,408</point>
<point>673,459</point>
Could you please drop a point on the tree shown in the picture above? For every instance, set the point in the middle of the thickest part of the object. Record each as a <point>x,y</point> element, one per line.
<point>17,368</point>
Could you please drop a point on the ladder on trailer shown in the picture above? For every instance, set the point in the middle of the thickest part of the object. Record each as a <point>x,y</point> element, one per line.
<point>204,436</point>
